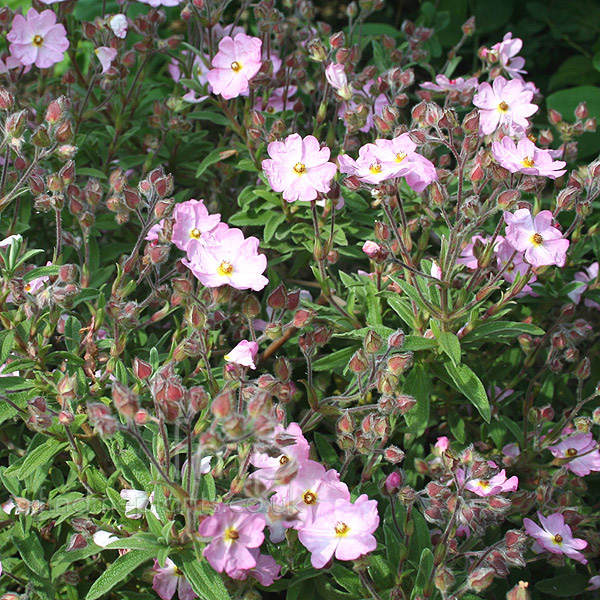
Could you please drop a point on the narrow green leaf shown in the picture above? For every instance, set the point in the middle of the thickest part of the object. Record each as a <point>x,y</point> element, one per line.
<point>337,359</point>
<point>470,385</point>
<point>118,571</point>
<point>39,456</point>
<point>7,345</point>
<point>215,156</point>
<point>500,331</point>
<point>205,581</point>
<point>449,344</point>
<point>418,385</point>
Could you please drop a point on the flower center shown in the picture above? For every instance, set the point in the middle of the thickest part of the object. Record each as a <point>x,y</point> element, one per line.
<point>225,268</point>
<point>341,529</point>
<point>284,460</point>
<point>27,287</point>
<point>38,40</point>
<point>309,497</point>
<point>195,233</point>
<point>270,109</point>
<point>400,156</point>
<point>236,66</point>
<point>503,107</point>
<point>537,239</point>
<point>571,452</point>
<point>231,534</point>
<point>375,168</point>
<point>558,538</point>
<point>484,484</point>
<point>528,162</point>
<point>178,572</point>
<point>299,168</point>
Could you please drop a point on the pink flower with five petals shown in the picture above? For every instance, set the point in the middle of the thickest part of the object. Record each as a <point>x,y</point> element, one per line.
<point>192,221</point>
<point>581,452</point>
<point>243,354</point>
<point>169,579</point>
<point>526,157</point>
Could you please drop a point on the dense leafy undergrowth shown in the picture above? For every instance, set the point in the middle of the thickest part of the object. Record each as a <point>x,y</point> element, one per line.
<point>291,310</point>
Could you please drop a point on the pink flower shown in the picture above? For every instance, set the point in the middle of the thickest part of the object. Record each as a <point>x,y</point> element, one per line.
<point>542,243</point>
<point>504,253</point>
<point>336,77</point>
<point>103,538</point>
<point>341,529</point>
<point>556,537</point>
<point>192,220</point>
<point>199,72</point>
<point>37,39</point>
<point>136,502</point>
<point>467,254</point>
<point>594,583</point>
<point>584,277</point>
<point>106,56</point>
<point>118,24</point>
<point>236,62</point>
<point>436,270</point>
<point>294,447</point>
<point>155,230</point>
<point>229,259</point>
<point>510,452</point>
<point>299,168</point>
<point>157,3</point>
<point>243,354</point>
<point>220,31</point>
<point>581,451</point>
<point>506,103</point>
<point>442,443</point>
<point>169,579</point>
<point>367,167</point>
<point>525,157</point>
<point>443,84</point>
<point>371,249</point>
<point>507,50</point>
<point>312,487</point>
<point>496,485</point>
<point>277,101</point>
<point>265,572</point>
<point>234,531</point>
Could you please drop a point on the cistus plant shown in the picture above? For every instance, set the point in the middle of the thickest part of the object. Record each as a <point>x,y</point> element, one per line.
<point>291,310</point>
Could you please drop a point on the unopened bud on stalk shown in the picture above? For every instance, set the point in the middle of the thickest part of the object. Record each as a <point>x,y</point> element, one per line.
<point>372,342</point>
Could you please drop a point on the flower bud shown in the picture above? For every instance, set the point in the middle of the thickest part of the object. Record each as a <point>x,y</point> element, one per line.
<point>393,454</point>
<point>554,116</point>
<point>581,112</point>
<point>481,578</point>
<point>358,363</point>
<point>278,297</point>
<point>7,100</point>
<point>392,484</point>
<point>372,342</point>
<point>125,400</point>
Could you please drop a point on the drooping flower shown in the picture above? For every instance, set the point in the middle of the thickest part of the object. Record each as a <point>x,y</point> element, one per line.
<point>106,56</point>
<point>279,99</point>
<point>581,451</point>
<point>136,502</point>
<point>312,487</point>
<point>199,72</point>
<point>490,487</point>
<point>336,77</point>
<point>265,572</point>
<point>467,254</point>
<point>443,84</point>
<point>342,529</point>
<point>504,103</point>
<point>234,531</point>
<point>299,168</point>
<point>38,39</point>
<point>525,157</point>
<point>169,579</point>
<point>507,50</point>
<point>510,452</point>
<point>229,259</point>
<point>542,243</point>
<point>555,536</point>
<point>10,239</point>
<point>236,62</point>
<point>103,538</point>
<point>118,24</point>
<point>584,277</point>
<point>442,443</point>
<point>243,354</point>
<point>364,96</point>
<point>155,231</point>
<point>594,583</point>
<point>191,221</point>
<point>220,31</point>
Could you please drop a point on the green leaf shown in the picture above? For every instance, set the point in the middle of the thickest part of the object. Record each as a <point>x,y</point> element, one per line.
<point>48,271</point>
<point>118,571</point>
<point>448,342</point>
<point>424,572</point>
<point>500,331</point>
<point>326,449</point>
<point>213,117</point>
<point>563,586</point>
<point>39,456</point>
<point>418,385</point>
<point>215,156</point>
<point>470,385</point>
<point>205,581</point>
<point>89,172</point>
<point>7,345</point>
<point>335,360</point>
<point>271,227</point>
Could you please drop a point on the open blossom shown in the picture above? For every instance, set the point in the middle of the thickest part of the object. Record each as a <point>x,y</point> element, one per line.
<point>229,259</point>
<point>199,72</point>
<point>342,529</point>
<point>542,243</point>
<point>312,487</point>
<point>237,61</point>
<point>504,103</point>
<point>585,277</point>
<point>525,157</point>
<point>443,84</point>
<point>156,3</point>
<point>555,536</point>
<point>265,572</point>
<point>191,221</point>
<point>505,253</point>
<point>581,451</point>
<point>118,24</point>
<point>496,485</point>
<point>507,50</point>
<point>234,532</point>
<point>243,354</point>
<point>169,579</point>
<point>136,502</point>
<point>37,39</point>
<point>299,168</point>
<point>106,56</point>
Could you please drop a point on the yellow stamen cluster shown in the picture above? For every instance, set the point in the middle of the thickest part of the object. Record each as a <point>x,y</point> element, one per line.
<point>309,497</point>
<point>571,452</point>
<point>38,40</point>
<point>236,66</point>
<point>503,107</point>
<point>341,529</point>
<point>225,268</point>
<point>537,239</point>
<point>558,539</point>
<point>299,168</point>
<point>231,534</point>
<point>528,162</point>
<point>375,168</point>
<point>400,156</point>
<point>284,460</point>
<point>195,233</point>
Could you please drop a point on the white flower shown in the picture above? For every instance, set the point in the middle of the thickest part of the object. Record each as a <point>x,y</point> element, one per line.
<point>103,538</point>
<point>118,24</point>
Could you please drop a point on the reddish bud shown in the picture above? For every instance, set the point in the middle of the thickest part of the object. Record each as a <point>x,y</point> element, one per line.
<point>393,454</point>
